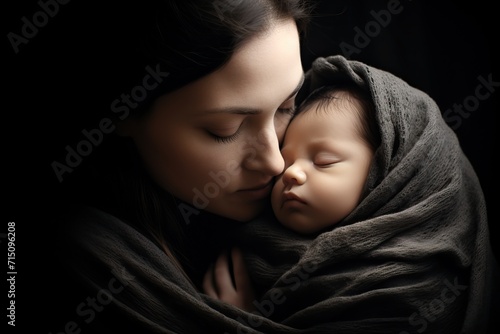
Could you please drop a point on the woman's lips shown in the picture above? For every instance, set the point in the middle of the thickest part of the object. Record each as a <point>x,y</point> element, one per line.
<point>259,187</point>
<point>257,192</point>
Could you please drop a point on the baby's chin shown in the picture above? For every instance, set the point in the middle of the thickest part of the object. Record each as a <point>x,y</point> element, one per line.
<point>296,222</point>
<point>303,223</point>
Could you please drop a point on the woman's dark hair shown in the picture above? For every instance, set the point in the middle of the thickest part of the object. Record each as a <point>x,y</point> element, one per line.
<point>188,39</point>
<point>191,38</point>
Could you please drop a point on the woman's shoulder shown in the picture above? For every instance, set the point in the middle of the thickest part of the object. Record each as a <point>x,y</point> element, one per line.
<point>81,217</point>
<point>85,215</point>
<point>84,225</point>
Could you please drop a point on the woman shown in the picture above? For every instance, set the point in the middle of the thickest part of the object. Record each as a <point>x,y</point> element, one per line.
<point>195,160</point>
<point>196,156</point>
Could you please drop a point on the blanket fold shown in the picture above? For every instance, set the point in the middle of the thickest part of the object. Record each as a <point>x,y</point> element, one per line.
<point>413,257</point>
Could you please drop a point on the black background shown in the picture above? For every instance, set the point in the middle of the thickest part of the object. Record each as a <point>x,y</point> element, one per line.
<point>64,79</point>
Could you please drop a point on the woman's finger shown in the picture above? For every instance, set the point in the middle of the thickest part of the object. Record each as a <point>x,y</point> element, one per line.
<point>241,276</point>
<point>244,288</point>
<point>208,283</point>
<point>222,276</point>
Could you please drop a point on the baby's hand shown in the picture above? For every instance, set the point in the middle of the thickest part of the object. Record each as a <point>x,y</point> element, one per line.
<point>218,284</point>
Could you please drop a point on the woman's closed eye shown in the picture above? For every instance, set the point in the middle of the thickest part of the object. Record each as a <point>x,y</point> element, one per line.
<point>230,133</point>
<point>224,133</point>
<point>288,110</point>
<point>284,114</point>
<point>288,107</point>
<point>221,137</point>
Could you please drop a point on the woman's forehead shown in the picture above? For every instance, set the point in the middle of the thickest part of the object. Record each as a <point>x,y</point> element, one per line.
<point>268,63</point>
<point>260,75</point>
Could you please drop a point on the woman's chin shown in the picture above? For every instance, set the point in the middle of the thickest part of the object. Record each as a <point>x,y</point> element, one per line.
<point>242,213</point>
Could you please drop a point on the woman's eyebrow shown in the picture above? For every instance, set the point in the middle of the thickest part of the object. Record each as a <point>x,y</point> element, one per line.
<point>251,111</point>
<point>233,110</point>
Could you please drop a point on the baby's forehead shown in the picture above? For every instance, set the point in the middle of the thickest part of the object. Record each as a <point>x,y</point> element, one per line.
<point>329,102</point>
<point>316,115</point>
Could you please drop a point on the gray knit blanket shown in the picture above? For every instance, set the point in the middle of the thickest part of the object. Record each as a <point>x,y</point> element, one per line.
<point>413,257</point>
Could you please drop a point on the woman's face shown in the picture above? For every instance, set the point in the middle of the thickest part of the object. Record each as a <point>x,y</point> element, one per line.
<point>215,142</point>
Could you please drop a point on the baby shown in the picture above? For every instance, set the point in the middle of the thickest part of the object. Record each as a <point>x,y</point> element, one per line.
<point>384,212</point>
<point>328,150</point>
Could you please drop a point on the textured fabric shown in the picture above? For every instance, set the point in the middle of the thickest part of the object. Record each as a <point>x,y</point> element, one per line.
<point>413,257</point>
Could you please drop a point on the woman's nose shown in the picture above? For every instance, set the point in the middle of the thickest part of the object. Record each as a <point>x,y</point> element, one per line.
<point>294,175</point>
<point>264,153</point>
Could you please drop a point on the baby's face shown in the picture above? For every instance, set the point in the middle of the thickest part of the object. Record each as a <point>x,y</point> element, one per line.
<point>326,166</point>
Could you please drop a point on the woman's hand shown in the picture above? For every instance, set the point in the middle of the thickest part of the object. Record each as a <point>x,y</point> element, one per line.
<point>218,283</point>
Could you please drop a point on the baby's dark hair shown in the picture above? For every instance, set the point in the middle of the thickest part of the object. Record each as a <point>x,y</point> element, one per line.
<point>347,95</point>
